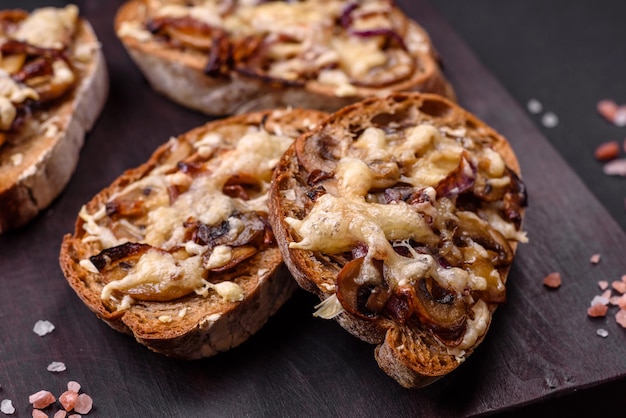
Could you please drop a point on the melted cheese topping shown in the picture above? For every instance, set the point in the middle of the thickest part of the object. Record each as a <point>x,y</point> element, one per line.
<point>44,28</point>
<point>254,154</point>
<point>343,217</point>
<point>305,34</point>
<point>12,93</point>
<point>48,27</point>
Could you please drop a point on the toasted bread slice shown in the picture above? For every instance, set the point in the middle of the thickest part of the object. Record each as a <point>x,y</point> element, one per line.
<point>228,57</point>
<point>403,215</point>
<point>178,252</point>
<point>55,84</point>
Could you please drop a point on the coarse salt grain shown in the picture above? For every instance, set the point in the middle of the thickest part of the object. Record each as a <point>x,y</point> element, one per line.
<point>607,151</point>
<point>41,399</point>
<point>552,280</point>
<point>606,294</point>
<point>595,259</point>
<point>607,108</point>
<point>620,317</point>
<point>597,311</point>
<point>6,407</point>
<point>619,286</point>
<point>56,366</point>
<point>68,400</point>
<point>624,278</point>
<point>60,414</point>
<point>84,403</point>
<point>599,300</point>
<point>39,414</point>
<point>73,386</point>
<point>615,167</point>
<point>534,106</point>
<point>620,116</point>
<point>603,284</point>
<point>549,120</point>
<point>602,332</point>
<point>619,301</point>
<point>43,327</point>
<point>74,416</point>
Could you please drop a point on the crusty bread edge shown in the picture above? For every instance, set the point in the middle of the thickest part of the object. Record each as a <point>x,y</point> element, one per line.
<point>384,334</point>
<point>211,334</point>
<point>178,75</point>
<point>39,184</point>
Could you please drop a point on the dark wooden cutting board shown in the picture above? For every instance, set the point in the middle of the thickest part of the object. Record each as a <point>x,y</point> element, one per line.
<point>541,344</point>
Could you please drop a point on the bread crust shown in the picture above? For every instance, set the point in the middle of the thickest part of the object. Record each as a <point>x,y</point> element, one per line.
<point>178,74</point>
<point>48,157</point>
<point>208,324</point>
<point>411,354</point>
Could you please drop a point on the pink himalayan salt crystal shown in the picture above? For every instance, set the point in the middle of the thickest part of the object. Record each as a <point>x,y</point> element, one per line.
<point>620,317</point>
<point>74,416</point>
<point>595,259</point>
<point>619,286</point>
<point>597,311</point>
<point>60,414</point>
<point>68,400</point>
<point>620,116</point>
<point>603,284</point>
<point>624,278</point>
<point>607,109</point>
<point>39,414</point>
<point>73,386</point>
<point>606,294</point>
<point>41,399</point>
<point>615,167</point>
<point>600,300</point>
<point>84,403</point>
<point>552,280</point>
<point>619,301</point>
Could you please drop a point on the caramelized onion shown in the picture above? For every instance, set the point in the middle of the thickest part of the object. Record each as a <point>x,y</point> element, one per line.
<point>387,33</point>
<point>186,30</point>
<point>461,179</point>
<point>123,253</point>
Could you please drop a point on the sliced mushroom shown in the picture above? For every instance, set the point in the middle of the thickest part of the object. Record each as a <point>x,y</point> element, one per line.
<point>363,299</point>
<point>254,232</point>
<point>239,254</point>
<point>445,314</point>
<point>442,311</point>
<point>479,231</point>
